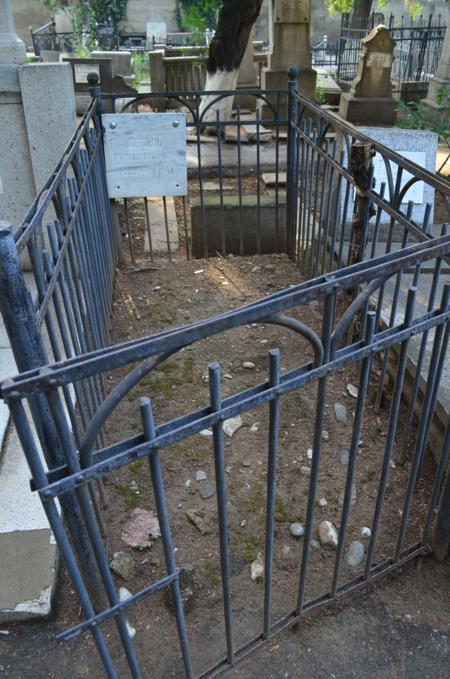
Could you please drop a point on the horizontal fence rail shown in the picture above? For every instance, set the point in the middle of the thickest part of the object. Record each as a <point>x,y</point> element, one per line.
<point>331,354</point>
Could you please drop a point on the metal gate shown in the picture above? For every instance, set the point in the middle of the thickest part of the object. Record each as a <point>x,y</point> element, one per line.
<point>71,404</point>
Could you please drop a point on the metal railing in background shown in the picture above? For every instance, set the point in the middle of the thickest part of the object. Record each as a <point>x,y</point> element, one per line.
<point>418,46</point>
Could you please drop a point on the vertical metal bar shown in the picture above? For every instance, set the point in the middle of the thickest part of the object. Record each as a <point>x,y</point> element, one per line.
<point>258,184</point>
<point>166,224</point>
<point>148,426</point>
<point>436,362</point>
<point>186,231</point>
<point>95,541</point>
<point>149,228</point>
<point>130,237</point>
<point>239,164</point>
<point>222,209</point>
<point>437,488</point>
<point>219,464</point>
<point>359,410</point>
<point>34,462</point>
<point>392,428</point>
<point>327,324</point>
<point>274,418</point>
<point>420,358</point>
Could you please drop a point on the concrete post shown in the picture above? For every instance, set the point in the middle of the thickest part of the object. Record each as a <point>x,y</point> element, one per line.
<point>289,37</point>
<point>157,77</point>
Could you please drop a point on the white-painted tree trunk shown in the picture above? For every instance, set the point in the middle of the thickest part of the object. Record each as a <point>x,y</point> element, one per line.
<point>210,104</point>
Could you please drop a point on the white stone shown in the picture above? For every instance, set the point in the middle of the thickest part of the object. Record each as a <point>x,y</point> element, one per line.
<point>207,433</point>
<point>328,535</point>
<point>257,569</point>
<point>296,530</point>
<point>248,365</point>
<point>365,532</point>
<point>124,594</point>
<point>323,502</point>
<point>231,425</point>
<point>355,554</point>
<point>309,453</point>
<point>254,427</point>
<point>352,390</point>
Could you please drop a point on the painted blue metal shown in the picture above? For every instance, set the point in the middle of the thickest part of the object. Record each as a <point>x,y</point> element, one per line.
<point>73,261</point>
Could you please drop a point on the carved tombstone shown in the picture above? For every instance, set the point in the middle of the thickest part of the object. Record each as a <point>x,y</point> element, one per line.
<point>370,98</point>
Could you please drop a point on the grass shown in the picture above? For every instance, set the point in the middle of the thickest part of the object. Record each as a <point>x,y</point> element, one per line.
<point>129,495</point>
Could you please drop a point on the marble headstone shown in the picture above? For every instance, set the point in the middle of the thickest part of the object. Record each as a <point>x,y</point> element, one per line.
<point>417,146</point>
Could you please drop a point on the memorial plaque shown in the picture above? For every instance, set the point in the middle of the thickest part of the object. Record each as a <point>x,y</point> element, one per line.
<point>145,154</point>
<point>81,72</point>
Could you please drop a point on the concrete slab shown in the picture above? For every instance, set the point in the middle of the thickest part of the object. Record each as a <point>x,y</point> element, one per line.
<point>158,225</point>
<point>28,554</point>
<point>270,178</point>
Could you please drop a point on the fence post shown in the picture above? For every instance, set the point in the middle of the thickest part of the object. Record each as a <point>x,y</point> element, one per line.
<point>27,345</point>
<point>291,164</point>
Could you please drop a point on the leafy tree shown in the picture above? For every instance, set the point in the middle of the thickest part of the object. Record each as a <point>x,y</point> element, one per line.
<point>197,15</point>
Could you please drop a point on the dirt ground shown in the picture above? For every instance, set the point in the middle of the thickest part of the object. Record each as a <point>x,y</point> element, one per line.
<point>370,637</point>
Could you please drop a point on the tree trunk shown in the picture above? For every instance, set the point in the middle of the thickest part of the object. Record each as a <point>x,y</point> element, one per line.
<point>227,48</point>
<point>359,16</point>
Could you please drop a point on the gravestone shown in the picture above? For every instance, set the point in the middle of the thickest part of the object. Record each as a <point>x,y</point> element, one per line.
<point>418,146</point>
<point>370,100</point>
<point>121,63</point>
<point>156,33</point>
<point>37,119</point>
<point>289,38</point>
<point>440,82</point>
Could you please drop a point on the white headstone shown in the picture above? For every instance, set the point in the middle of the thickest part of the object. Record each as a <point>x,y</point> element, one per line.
<point>156,31</point>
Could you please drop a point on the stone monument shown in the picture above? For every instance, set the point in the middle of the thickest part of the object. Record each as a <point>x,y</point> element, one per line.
<point>440,82</point>
<point>289,22</point>
<point>37,119</point>
<point>370,98</point>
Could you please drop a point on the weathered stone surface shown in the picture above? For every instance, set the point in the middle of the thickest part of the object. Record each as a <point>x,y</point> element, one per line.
<point>248,365</point>
<point>370,98</point>
<point>344,456</point>
<point>197,518</point>
<point>207,491</point>
<point>352,390</point>
<point>355,555</point>
<point>340,412</point>
<point>201,475</point>
<point>237,564</point>
<point>122,564</point>
<point>328,535</point>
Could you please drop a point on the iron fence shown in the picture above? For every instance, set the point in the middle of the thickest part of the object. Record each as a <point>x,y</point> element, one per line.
<point>418,46</point>
<point>329,354</point>
<point>68,241</point>
<point>351,266</point>
<point>203,222</point>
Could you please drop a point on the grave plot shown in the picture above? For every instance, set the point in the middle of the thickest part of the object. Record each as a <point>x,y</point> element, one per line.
<point>172,294</point>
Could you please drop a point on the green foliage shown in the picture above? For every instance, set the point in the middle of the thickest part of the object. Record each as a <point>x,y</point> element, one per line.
<point>419,116</point>
<point>413,7</point>
<point>320,95</point>
<point>103,10</point>
<point>141,68</point>
<point>197,16</point>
